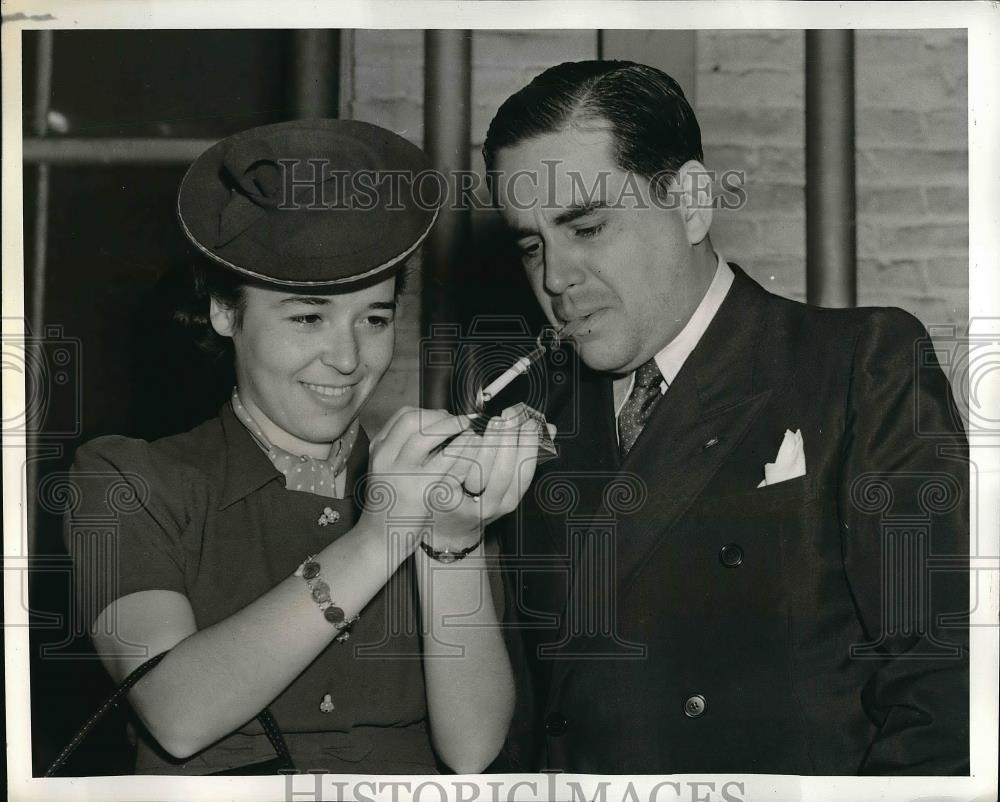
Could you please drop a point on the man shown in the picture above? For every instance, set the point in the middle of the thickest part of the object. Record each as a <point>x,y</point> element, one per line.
<point>734,565</point>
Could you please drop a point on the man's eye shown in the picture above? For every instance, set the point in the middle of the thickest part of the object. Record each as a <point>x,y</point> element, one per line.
<point>589,231</point>
<point>377,321</point>
<point>307,320</point>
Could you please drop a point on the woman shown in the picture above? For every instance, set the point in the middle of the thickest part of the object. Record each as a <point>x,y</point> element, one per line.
<point>247,547</point>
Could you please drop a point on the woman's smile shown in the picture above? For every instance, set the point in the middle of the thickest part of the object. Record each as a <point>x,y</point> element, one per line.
<point>331,394</point>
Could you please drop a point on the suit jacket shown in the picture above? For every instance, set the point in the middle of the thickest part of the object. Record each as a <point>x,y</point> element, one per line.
<point>666,615</point>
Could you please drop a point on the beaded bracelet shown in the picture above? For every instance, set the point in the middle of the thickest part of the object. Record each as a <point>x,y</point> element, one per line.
<point>320,591</point>
<point>447,556</point>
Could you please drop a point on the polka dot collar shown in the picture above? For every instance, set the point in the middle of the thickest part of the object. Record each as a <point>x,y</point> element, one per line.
<point>302,473</point>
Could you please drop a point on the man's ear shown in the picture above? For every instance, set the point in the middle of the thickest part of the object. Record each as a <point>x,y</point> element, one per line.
<point>223,318</point>
<point>695,185</point>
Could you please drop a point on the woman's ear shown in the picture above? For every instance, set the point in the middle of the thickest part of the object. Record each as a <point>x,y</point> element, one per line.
<point>223,318</point>
<point>695,183</point>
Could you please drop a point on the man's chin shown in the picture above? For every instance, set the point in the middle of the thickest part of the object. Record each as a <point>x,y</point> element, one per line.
<point>603,358</point>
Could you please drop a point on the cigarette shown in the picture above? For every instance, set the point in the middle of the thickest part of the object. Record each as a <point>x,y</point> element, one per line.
<point>519,368</point>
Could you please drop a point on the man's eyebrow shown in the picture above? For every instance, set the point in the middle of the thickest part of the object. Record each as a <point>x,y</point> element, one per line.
<point>390,305</point>
<point>579,210</point>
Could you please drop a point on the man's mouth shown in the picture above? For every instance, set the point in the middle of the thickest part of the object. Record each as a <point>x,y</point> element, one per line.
<point>577,322</point>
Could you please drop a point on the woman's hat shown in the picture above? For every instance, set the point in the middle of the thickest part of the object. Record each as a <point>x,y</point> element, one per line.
<point>310,203</point>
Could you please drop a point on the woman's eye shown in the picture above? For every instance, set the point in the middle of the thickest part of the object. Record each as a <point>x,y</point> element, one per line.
<point>306,320</point>
<point>530,251</point>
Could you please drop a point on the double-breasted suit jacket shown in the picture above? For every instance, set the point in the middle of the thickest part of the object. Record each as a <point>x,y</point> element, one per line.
<point>667,615</point>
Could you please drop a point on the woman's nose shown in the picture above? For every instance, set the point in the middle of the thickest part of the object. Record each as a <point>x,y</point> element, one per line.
<point>341,351</point>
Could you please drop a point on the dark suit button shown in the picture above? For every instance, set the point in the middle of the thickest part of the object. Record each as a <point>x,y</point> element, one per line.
<point>731,555</point>
<point>555,724</point>
<point>694,706</point>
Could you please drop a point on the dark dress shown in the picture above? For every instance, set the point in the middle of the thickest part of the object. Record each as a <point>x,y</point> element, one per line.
<point>205,514</point>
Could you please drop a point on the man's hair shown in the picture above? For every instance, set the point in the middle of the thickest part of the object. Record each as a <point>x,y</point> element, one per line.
<point>653,127</point>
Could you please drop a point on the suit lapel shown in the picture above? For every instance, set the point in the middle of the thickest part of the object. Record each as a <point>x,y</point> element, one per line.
<point>703,416</point>
<point>587,447</point>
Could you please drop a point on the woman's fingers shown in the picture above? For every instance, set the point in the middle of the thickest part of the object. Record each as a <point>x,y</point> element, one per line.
<point>457,457</point>
<point>502,434</point>
<point>429,435</point>
<point>401,427</point>
<point>524,471</point>
<point>480,466</point>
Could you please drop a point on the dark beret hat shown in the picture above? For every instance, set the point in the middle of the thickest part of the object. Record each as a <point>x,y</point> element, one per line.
<point>309,203</point>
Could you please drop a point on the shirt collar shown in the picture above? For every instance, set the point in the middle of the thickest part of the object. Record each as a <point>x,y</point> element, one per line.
<point>674,354</point>
<point>247,468</point>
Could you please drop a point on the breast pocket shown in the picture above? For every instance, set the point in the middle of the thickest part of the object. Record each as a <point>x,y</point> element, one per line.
<point>801,488</point>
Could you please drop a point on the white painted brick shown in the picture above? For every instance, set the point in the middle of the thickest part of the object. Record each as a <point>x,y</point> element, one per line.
<point>775,200</point>
<point>876,202</point>
<point>875,275</point>
<point>772,49</point>
<point>876,48</point>
<point>374,47</point>
<point>404,117</point>
<point>736,126</point>
<point>783,237</point>
<point>910,166</point>
<point>948,272</point>
<point>532,48</point>
<point>784,275</point>
<point>889,127</point>
<point>393,80</point>
<point>947,126</point>
<point>750,88</point>
<point>735,237</point>
<point>783,163</point>
<point>731,157</point>
<point>912,86</point>
<point>926,239</point>
<point>947,202</point>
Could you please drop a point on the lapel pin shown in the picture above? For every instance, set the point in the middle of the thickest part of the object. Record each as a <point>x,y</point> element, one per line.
<point>329,516</point>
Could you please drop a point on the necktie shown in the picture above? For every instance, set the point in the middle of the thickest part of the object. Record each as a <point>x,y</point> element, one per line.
<point>305,474</point>
<point>639,405</point>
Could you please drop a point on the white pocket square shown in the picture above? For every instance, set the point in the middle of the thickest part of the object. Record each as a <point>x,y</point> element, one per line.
<point>790,462</point>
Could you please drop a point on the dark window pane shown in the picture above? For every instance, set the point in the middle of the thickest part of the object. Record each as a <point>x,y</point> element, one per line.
<point>165,83</point>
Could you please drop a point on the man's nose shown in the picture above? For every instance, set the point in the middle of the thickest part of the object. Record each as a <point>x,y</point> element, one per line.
<point>562,271</point>
<point>341,350</point>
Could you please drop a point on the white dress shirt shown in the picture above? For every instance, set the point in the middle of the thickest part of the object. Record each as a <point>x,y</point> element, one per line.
<point>675,353</point>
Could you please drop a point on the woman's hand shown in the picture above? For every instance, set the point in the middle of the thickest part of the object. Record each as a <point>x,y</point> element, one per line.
<point>408,471</point>
<point>495,469</point>
<point>456,490</point>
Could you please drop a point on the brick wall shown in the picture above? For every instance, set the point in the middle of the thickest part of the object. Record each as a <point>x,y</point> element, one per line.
<point>912,159</point>
<point>388,89</point>
<point>749,97</point>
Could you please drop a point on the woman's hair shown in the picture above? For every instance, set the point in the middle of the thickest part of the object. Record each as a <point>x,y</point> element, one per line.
<point>209,281</point>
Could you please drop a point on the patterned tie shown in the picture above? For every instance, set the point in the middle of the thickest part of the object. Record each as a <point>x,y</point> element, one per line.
<point>305,474</point>
<point>639,405</point>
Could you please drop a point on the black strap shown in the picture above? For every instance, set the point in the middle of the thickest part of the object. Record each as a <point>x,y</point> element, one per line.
<point>265,717</point>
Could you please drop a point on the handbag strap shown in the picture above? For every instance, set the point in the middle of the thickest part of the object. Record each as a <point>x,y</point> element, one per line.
<point>265,717</point>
